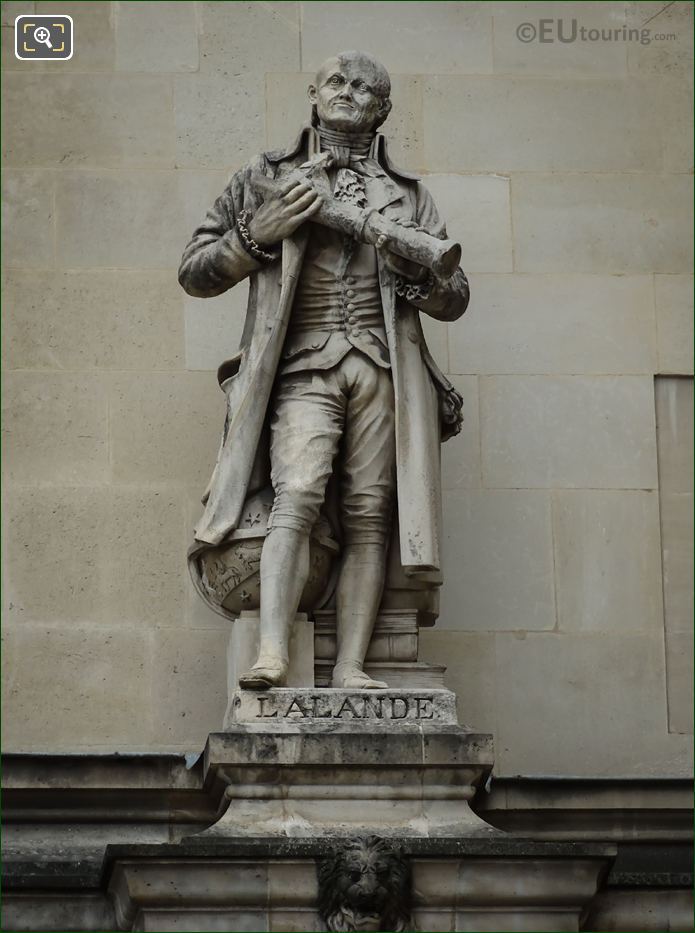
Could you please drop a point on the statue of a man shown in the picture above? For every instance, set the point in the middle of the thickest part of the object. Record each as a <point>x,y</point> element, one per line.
<point>333,364</point>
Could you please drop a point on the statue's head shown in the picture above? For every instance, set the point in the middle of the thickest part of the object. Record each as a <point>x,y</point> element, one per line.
<point>351,93</point>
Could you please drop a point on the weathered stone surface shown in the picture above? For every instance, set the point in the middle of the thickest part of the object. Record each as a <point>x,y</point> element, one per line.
<point>28,219</point>
<point>113,555</point>
<point>110,121</point>
<point>527,887</point>
<point>654,910</point>
<point>478,216</point>
<point>252,38</point>
<point>188,684</point>
<point>674,419</point>
<point>592,59</point>
<point>679,679</point>
<point>568,431</point>
<point>117,219</point>
<point>332,705</point>
<point>147,418</point>
<point>461,459</point>
<point>500,576</point>
<point>95,51</point>
<point>619,723</point>
<point>556,324</point>
<point>73,8</point>
<point>219,123</point>
<point>49,911</point>
<point>578,222</point>
<point>13,8</point>
<point>624,120</point>
<point>135,219</point>
<point>69,411</point>
<point>213,327</point>
<point>176,48</point>
<point>677,555</point>
<point>672,54</point>
<point>674,318</point>
<point>470,672</point>
<point>304,779</point>
<point>92,320</point>
<point>90,699</point>
<point>422,39</point>
<point>245,921</point>
<point>607,561</point>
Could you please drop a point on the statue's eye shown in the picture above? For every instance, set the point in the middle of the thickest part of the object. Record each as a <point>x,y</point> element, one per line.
<point>336,80</point>
<point>355,876</point>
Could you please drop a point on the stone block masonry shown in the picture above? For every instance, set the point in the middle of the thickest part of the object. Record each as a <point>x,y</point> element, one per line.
<point>564,170</point>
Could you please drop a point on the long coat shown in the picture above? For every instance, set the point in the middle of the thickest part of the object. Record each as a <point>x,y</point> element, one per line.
<point>427,405</point>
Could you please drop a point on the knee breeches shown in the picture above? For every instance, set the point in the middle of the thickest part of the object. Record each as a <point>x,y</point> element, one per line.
<point>317,414</point>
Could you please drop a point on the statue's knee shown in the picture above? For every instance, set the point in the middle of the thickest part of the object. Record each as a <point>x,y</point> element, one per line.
<point>366,519</point>
<point>296,509</point>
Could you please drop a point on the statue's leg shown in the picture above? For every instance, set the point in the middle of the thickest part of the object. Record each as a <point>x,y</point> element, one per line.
<point>368,486</point>
<point>306,426</point>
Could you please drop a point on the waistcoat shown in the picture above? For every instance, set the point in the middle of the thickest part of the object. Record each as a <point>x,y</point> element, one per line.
<point>337,305</point>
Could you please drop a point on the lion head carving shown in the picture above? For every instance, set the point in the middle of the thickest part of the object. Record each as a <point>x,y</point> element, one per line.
<point>365,885</point>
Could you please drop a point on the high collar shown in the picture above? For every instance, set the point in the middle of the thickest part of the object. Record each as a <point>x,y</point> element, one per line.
<point>308,138</point>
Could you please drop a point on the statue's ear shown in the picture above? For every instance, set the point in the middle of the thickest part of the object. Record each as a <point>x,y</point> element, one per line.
<point>311,93</point>
<point>384,111</point>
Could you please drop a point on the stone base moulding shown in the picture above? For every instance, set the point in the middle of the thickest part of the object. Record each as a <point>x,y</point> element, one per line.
<point>326,777</point>
<point>268,885</point>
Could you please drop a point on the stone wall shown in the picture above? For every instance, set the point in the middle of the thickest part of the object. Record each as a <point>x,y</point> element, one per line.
<point>564,169</point>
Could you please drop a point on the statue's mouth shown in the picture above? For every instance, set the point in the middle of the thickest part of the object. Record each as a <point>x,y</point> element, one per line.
<point>367,921</point>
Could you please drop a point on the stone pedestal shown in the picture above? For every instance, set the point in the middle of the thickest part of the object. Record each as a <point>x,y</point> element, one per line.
<point>476,885</point>
<point>292,770</point>
<point>310,761</point>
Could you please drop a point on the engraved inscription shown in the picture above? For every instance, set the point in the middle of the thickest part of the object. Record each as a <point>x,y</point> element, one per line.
<point>357,706</point>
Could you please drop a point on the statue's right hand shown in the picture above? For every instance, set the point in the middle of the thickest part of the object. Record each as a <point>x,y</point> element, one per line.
<point>279,217</point>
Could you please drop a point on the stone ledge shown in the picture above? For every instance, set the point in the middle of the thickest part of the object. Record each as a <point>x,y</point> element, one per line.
<point>317,847</point>
<point>532,886</point>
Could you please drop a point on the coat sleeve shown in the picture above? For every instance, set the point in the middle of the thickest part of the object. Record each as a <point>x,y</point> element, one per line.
<point>447,299</point>
<point>215,258</point>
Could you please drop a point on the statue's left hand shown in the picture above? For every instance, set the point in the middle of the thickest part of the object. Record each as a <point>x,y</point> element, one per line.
<point>411,271</point>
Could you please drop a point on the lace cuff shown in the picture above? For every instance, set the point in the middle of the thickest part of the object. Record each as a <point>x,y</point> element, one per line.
<point>249,244</point>
<point>412,291</point>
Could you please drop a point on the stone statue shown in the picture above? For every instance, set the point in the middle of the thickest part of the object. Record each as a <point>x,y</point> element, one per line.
<point>333,398</point>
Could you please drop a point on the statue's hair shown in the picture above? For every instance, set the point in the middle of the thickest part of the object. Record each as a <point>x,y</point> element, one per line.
<point>381,82</point>
<point>337,903</point>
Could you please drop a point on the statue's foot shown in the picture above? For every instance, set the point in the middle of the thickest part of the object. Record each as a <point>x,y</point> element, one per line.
<point>351,677</point>
<point>266,672</point>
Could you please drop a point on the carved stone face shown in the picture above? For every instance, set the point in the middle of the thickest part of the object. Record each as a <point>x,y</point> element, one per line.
<point>365,885</point>
<point>351,93</point>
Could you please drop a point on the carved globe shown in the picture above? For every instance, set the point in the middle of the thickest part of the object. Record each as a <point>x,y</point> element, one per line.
<point>229,574</point>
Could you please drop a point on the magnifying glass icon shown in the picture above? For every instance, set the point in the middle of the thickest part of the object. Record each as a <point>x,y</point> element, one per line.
<point>41,34</point>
